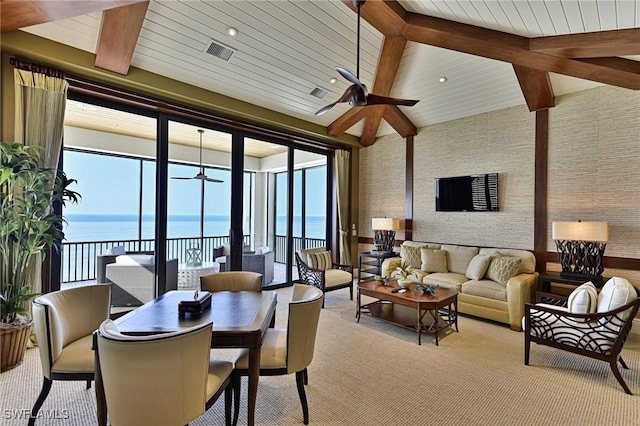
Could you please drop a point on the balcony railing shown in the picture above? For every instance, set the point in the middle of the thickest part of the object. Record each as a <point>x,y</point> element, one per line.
<point>79,258</point>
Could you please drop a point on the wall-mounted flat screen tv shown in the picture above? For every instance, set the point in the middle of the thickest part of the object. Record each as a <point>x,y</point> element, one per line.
<point>474,193</point>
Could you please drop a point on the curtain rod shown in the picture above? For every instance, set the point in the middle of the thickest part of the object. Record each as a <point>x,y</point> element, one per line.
<point>41,69</point>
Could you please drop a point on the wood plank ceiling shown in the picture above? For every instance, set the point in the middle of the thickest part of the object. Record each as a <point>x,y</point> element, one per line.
<point>494,53</point>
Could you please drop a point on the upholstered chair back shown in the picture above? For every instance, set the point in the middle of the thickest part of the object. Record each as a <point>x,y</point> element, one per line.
<point>154,380</point>
<point>232,281</point>
<point>305,254</point>
<point>64,316</point>
<point>304,314</point>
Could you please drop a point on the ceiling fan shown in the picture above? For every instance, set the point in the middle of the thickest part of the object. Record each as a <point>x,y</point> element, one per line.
<point>357,94</point>
<point>200,176</point>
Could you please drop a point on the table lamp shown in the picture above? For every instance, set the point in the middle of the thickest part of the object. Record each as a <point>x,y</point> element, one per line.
<point>581,248</point>
<point>384,233</point>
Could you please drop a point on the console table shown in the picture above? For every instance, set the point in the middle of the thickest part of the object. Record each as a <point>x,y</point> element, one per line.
<point>544,293</point>
<point>372,264</point>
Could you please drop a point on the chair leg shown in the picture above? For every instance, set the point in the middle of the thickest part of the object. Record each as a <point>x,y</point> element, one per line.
<point>46,387</point>
<point>235,383</point>
<point>614,367</point>
<point>527,346</point>
<point>303,396</point>
<point>228,393</point>
<point>88,384</point>
<point>624,364</point>
<point>306,376</point>
<point>351,292</point>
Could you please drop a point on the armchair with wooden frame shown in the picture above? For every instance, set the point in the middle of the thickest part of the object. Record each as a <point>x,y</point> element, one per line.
<point>594,325</point>
<point>317,268</point>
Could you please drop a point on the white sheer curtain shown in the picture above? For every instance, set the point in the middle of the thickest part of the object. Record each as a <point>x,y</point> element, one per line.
<point>342,175</point>
<point>40,102</point>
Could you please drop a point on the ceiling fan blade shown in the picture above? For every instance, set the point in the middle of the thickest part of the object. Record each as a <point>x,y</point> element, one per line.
<point>208,179</point>
<point>182,178</point>
<point>325,108</point>
<point>383,100</point>
<point>351,77</point>
<point>353,95</point>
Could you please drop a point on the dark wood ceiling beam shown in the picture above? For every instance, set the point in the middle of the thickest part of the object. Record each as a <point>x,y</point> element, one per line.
<point>388,62</point>
<point>536,87</point>
<point>621,64</point>
<point>508,48</point>
<point>399,121</point>
<point>371,124</point>
<point>119,32</point>
<point>346,121</point>
<point>16,14</point>
<point>590,45</point>
<point>387,17</point>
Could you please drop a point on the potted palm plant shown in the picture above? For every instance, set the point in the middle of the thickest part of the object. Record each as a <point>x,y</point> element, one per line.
<point>28,226</point>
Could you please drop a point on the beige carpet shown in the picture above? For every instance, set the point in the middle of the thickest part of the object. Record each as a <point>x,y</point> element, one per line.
<point>375,373</point>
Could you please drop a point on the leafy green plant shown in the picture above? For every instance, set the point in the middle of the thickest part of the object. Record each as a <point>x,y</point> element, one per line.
<point>28,225</point>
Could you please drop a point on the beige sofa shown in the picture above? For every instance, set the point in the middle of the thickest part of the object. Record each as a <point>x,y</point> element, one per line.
<point>496,291</point>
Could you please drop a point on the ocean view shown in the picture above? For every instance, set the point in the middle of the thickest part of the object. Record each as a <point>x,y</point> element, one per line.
<point>98,227</point>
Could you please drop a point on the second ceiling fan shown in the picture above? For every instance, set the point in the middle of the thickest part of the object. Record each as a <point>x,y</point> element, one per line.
<point>200,176</point>
<point>357,94</point>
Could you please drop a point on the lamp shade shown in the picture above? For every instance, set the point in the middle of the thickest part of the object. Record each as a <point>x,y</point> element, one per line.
<point>385,224</point>
<point>580,231</point>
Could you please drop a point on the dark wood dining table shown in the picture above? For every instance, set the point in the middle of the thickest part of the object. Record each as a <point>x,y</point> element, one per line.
<point>240,320</point>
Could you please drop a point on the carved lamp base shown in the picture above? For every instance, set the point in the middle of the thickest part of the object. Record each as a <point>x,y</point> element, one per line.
<point>384,240</point>
<point>581,259</point>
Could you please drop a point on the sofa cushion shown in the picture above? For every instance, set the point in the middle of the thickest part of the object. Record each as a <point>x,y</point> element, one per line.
<point>458,257</point>
<point>433,260</point>
<point>116,250</point>
<point>478,267</point>
<point>485,288</point>
<point>411,256</point>
<point>448,280</point>
<point>584,299</point>
<point>615,293</point>
<point>321,260</point>
<point>528,264</point>
<point>135,259</point>
<point>502,268</point>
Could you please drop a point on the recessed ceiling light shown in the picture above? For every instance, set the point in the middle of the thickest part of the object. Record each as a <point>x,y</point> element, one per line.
<point>443,79</point>
<point>333,80</point>
<point>232,31</point>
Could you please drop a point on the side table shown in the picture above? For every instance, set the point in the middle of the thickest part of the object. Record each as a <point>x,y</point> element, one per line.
<point>544,293</point>
<point>189,275</point>
<point>372,264</point>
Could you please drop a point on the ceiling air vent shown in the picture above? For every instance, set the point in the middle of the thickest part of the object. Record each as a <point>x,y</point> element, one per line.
<point>319,92</point>
<point>219,50</point>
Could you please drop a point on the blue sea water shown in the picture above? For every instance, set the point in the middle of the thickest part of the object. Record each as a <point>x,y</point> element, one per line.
<point>98,227</point>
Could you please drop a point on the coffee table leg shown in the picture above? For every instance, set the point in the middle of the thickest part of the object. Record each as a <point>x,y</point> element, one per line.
<point>437,324</point>
<point>455,305</point>
<point>419,326</point>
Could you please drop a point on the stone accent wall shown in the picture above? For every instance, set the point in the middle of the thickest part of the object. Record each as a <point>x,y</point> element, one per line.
<point>594,172</point>
<point>594,164</point>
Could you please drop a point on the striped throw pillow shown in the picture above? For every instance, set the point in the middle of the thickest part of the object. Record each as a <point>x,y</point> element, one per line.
<point>321,260</point>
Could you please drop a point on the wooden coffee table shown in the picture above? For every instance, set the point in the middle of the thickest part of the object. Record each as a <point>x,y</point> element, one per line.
<point>392,307</point>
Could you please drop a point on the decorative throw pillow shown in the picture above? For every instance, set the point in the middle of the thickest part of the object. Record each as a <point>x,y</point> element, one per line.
<point>433,260</point>
<point>411,256</point>
<point>321,260</point>
<point>615,293</point>
<point>583,300</point>
<point>116,250</point>
<point>478,267</point>
<point>502,268</point>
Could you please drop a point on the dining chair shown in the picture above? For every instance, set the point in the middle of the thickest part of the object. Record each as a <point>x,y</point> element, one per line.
<point>161,379</point>
<point>290,350</point>
<point>64,322</point>
<point>232,281</point>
